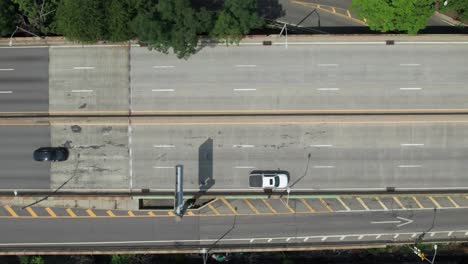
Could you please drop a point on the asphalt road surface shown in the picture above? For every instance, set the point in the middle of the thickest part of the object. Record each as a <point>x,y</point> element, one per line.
<point>24,80</point>
<point>218,153</point>
<point>209,232</point>
<point>18,170</point>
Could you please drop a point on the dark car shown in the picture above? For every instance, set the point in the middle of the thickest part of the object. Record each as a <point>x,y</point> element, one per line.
<point>51,154</point>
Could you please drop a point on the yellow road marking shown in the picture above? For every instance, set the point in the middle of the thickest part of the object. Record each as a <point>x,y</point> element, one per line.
<point>50,212</point>
<point>398,202</point>
<point>434,201</point>
<point>130,213</point>
<point>334,10</point>
<point>362,203</point>
<point>287,206</point>
<point>229,205</point>
<point>170,213</point>
<point>417,202</point>
<point>90,213</point>
<point>31,212</point>
<point>307,205</point>
<point>190,213</point>
<point>381,203</point>
<point>343,204</point>
<point>11,211</point>
<point>110,213</point>
<point>213,209</point>
<point>349,14</point>
<point>326,205</point>
<point>251,206</point>
<point>151,214</point>
<point>70,212</point>
<point>269,206</point>
<point>453,202</point>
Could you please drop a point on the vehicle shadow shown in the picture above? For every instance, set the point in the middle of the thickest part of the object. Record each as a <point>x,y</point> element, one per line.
<point>205,166</point>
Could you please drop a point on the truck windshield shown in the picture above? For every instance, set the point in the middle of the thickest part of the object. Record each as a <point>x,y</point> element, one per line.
<point>277,181</point>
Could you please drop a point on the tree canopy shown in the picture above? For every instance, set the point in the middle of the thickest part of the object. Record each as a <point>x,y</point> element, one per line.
<point>408,16</point>
<point>7,17</point>
<point>38,15</point>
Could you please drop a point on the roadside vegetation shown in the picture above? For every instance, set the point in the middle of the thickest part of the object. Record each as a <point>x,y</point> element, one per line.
<point>163,25</point>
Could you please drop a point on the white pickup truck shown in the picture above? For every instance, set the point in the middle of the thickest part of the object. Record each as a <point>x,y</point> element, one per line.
<point>269,179</point>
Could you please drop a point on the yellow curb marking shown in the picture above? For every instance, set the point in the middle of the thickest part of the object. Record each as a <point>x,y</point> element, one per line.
<point>307,205</point>
<point>417,202</point>
<point>170,213</point>
<point>326,205</point>
<point>343,204</point>
<point>50,212</point>
<point>398,202</point>
<point>110,213</point>
<point>269,206</point>
<point>334,10</point>
<point>349,14</point>
<point>90,213</point>
<point>287,206</point>
<point>153,214</point>
<point>229,205</point>
<point>130,213</point>
<point>453,202</point>
<point>381,203</point>
<point>70,212</point>
<point>214,209</point>
<point>190,213</point>
<point>434,201</point>
<point>251,206</point>
<point>10,210</point>
<point>362,203</point>
<point>31,212</point>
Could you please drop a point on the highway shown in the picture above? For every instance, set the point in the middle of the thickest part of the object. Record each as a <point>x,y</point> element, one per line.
<point>249,231</point>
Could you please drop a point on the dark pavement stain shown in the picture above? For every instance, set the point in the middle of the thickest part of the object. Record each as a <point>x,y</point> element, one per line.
<point>83,106</point>
<point>76,129</point>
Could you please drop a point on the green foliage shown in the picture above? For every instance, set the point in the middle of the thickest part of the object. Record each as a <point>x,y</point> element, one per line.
<point>459,6</point>
<point>121,259</point>
<point>38,15</point>
<point>120,13</point>
<point>395,15</point>
<point>174,24</point>
<point>82,20</point>
<point>31,260</point>
<point>7,17</point>
<point>237,18</point>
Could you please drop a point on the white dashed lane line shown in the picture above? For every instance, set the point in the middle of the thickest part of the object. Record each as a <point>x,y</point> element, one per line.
<point>164,146</point>
<point>163,67</point>
<point>410,64</point>
<point>245,65</point>
<point>410,88</point>
<point>82,91</point>
<point>244,89</point>
<point>409,166</point>
<point>6,92</point>
<point>7,69</point>
<point>243,146</point>
<point>162,90</point>
<point>322,146</point>
<point>328,89</point>
<point>411,144</point>
<point>84,68</point>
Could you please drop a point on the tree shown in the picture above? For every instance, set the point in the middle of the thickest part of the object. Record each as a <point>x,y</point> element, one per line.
<point>395,15</point>
<point>82,20</point>
<point>38,15</point>
<point>461,7</point>
<point>7,17</point>
<point>173,24</point>
<point>120,13</point>
<point>236,19</point>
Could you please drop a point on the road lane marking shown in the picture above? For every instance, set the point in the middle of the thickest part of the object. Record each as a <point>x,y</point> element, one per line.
<point>252,240</point>
<point>244,167</point>
<point>229,205</point>
<point>362,203</point>
<point>434,201</point>
<point>243,146</point>
<point>269,240</point>
<point>245,65</point>
<point>50,212</point>
<point>386,222</point>
<point>130,213</point>
<point>328,65</point>
<point>82,91</point>
<point>432,234</point>
<point>466,234</point>
<point>90,213</point>
<point>414,235</point>
<point>305,239</point>
<point>214,209</point>
<point>164,146</point>
<point>411,144</point>
<point>324,238</point>
<point>395,236</point>
<point>328,89</point>
<point>110,213</point>
<point>7,69</point>
<point>151,214</point>
<point>312,210</point>
<point>244,89</point>
<point>349,14</point>
<point>322,146</point>
<point>162,90</point>
<point>417,202</point>
<point>164,167</point>
<point>398,202</point>
<point>410,88</point>
<point>378,236</point>
<point>360,237</point>
<point>287,239</point>
<point>251,206</point>
<point>409,166</point>
<point>31,212</point>
<point>410,64</point>
<point>70,212</point>
<point>381,203</point>
<point>163,67</point>
<point>190,213</point>
<point>10,210</point>
<point>287,206</point>
<point>6,92</point>
<point>453,202</point>
<point>450,233</point>
<point>334,10</point>
<point>324,167</point>
<point>269,206</point>
<point>342,238</point>
<point>343,204</point>
<point>84,68</point>
<point>326,205</point>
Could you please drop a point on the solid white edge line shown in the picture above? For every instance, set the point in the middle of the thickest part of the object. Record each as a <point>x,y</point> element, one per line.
<point>163,67</point>
<point>323,167</point>
<point>411,144</point>
<point>7,69</point>
<point>162,90</point>
<point>245,65</point>
<point>321,146</point>
<point>410,88</point>
<point>243,146</point>
<point>6,92</point>
<point>82,91</point>
<point>245,89</point>
<point>328,65</point>
<point>410,64</point>
<point>84,68</point>
<point>164,167</point>
<point>409,166</point>
<point>164,146</point>
<point>244,167</point>
<point>328,89</point>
